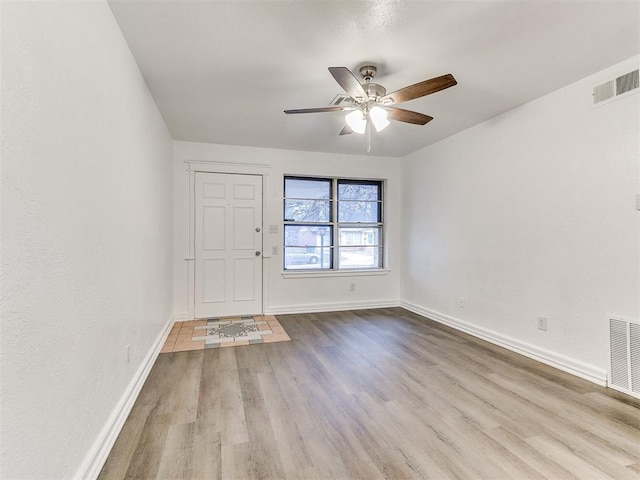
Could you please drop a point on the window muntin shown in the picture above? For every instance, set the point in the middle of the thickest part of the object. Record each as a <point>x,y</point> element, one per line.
<point>332,224</point>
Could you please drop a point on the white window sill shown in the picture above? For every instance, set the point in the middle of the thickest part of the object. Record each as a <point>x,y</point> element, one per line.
<point>335,273</point>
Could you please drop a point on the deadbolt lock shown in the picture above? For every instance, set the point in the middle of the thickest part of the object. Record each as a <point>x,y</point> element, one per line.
<point>257,253</point>
<point>257,229</point>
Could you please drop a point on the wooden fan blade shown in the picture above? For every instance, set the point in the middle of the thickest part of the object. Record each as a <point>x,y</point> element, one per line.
<point>421,89</point>
<point>317,110</point>
<point>408,116</point>
<point>346,130</point>
<point>348,82</point>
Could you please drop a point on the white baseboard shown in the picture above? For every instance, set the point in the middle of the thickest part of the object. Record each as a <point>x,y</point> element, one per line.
<point>97,455</point>
<point>561,362</point>
<point>181,317</point>
<point>330,307</point>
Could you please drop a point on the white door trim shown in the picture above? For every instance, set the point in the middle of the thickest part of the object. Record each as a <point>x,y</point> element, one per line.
<point>193,166</point>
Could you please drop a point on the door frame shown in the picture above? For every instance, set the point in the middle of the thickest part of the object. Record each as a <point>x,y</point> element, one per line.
<point>194,166</point>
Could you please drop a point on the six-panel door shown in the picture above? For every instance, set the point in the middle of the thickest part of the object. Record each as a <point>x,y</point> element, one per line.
<point>228,245</point>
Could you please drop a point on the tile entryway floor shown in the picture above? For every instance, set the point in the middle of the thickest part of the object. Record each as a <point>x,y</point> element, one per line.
<point>224,332</point>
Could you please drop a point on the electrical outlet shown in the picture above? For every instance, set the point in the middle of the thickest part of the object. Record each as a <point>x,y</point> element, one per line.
<point>273,228</point>
<point>462,301</point>
<point>352,287</point>
<point>542,323</point>
<point>128,351</point>
<point>274,250</point>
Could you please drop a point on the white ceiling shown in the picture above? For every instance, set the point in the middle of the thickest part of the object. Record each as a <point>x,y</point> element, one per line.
<point>224,71</point>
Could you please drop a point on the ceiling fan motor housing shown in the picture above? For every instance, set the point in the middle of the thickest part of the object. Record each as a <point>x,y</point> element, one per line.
<point>374,90</point>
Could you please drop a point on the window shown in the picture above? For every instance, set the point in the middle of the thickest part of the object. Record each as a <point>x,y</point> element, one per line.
<point>332,224</point>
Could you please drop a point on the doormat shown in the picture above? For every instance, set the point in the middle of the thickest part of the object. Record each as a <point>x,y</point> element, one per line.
<point>224,332</point>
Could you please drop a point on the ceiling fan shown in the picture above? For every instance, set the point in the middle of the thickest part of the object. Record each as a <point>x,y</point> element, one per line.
<point>369,103</point>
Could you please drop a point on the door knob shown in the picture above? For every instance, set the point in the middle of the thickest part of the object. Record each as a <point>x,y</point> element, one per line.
<point>257,253</point>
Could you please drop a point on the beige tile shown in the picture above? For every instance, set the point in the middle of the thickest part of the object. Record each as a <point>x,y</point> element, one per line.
<point>277,329</point>
<point>175,329</point>
<point>167,348</point>
<point>186,342</point>
<point>184,337</point>
<point>263,327</point>
<point>193,323</point>
<point>278,337</point>
<point>185,346</point>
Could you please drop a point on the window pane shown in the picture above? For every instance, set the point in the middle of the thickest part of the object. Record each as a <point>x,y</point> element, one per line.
<point>314,189</point>
<point>307,236</point>
<point>355,211</point>
<point>360,257</point>
<point>360,236</point>
<point>307,210</point>
<point>305,258</point>
<point>350,190</point>
<point>307,247</point>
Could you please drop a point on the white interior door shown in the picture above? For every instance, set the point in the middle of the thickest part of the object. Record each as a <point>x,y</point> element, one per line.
<point>228,245</point>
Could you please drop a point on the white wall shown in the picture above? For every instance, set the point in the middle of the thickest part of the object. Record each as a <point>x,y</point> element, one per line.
<point>531,214</point>
<point>284,295</point>
<point>86,232</point>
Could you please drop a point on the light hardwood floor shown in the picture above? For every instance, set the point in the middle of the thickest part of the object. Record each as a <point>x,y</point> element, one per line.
<point>372,394</point>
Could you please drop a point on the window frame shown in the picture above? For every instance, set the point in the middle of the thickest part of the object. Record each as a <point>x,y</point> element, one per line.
<point>335,226</point>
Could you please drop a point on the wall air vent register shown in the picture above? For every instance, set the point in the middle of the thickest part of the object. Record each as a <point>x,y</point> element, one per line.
<point>624,367</point>
<point>616,87</point>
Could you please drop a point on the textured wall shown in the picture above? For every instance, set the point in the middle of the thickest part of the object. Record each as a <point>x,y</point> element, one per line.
<point>86,231</point>
<point>532,213</point>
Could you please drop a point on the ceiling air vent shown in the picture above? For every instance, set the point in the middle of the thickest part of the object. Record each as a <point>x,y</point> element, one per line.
<point>604,92</point>
<point>616,87</point>
<point>627,82</point>
<point>342,101</point>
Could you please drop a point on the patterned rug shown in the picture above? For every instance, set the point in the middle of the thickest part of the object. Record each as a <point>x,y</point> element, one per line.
<point>224,332</point>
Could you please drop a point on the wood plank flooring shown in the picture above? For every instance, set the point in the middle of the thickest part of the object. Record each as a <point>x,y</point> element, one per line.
<point>372,394</point>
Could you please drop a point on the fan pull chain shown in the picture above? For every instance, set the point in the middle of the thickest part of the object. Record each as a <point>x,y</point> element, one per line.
<point>368,135</point>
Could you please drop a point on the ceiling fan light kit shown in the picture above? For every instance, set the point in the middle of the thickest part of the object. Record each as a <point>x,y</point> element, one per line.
<point>372,105</point>
<point>379,117</point>
<point>357,121</point>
